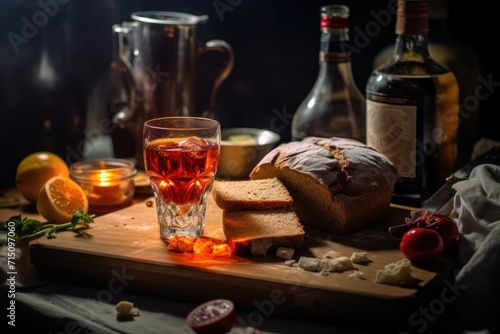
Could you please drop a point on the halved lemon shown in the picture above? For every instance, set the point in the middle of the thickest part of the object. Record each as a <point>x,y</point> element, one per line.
<point>59,198</point>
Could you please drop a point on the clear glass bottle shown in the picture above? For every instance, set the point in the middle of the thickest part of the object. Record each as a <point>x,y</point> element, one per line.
<point>335,107</point>
<point>412,108</point>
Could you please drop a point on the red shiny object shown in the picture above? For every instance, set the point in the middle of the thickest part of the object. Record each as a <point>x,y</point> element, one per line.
<point>334,22</point>
<point>421,244</point>
<point>181,169</point>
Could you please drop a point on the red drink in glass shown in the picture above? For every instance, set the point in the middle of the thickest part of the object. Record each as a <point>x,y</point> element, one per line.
<point>182,169</point>
<point>181,156</point>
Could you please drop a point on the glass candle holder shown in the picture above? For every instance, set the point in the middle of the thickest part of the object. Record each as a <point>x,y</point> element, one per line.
<point>108,183</point>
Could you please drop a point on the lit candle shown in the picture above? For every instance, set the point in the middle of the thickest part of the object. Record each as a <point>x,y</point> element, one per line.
<point>107,187</point>
<point>108,183</point>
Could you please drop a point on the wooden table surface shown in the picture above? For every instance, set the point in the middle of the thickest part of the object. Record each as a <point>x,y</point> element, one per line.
<point>125,245</point>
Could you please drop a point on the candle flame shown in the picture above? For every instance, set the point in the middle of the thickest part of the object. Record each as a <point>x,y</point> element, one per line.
<point>104,178</point>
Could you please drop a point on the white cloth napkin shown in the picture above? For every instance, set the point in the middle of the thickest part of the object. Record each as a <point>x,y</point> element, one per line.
<point>16,267</point>
<point>59,307</point>
<point>477,204</point>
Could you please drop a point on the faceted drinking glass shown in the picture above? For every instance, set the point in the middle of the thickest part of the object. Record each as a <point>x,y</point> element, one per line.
<point>181,156</point>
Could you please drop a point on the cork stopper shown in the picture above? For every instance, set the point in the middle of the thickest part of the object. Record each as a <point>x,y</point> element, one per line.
<point>412,18</point>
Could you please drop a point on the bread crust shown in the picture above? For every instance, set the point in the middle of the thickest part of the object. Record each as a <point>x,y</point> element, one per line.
<point>338,184</point>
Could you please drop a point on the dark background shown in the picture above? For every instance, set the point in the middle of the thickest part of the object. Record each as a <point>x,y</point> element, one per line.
<point>275,44</point>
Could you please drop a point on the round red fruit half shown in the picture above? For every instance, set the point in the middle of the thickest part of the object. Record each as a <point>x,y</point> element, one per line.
<point>421,244</point>
<point>216,316</point>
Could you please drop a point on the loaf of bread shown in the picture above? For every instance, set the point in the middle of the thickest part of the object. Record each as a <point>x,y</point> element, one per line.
<point>337,184</point>
<point>258,232</point>
<point>251,194</point>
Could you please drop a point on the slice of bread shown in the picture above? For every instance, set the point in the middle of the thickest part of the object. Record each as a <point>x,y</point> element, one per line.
<point>251,194</point>
<point>258,232</point>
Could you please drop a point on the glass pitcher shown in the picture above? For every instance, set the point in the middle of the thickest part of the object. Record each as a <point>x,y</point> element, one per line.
<point>157,54</point>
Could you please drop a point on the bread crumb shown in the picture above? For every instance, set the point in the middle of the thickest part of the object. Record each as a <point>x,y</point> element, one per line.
<point>357,274</point>
<point>309,263</point>
<point>126,309</point>
<point>285,253</point>
<point>332,254</point>
<point>289,263</point>
<point>360,257</point>
<point>339,264</point>
<point>260,247</point>
<point>396,273</point>
<point>325,266</point>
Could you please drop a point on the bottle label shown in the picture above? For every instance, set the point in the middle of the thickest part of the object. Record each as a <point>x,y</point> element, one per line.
<point>333,57</point>
<point>392,130</point>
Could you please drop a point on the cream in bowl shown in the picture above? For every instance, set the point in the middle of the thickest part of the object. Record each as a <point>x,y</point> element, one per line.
<point>241,150</point>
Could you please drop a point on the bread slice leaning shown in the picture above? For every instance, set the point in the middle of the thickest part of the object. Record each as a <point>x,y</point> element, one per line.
<point>258,232</point>
<point>251,194</point>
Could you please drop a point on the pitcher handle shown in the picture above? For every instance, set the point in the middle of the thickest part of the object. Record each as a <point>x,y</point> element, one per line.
<point>130,86</point>
<point>128,108</point>
<point>224,47</point>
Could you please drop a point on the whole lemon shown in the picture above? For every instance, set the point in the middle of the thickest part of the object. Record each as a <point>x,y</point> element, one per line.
<point>35,169</point>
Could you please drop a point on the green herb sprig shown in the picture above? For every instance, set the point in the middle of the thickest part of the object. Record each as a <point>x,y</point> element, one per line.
<point>26,229</point>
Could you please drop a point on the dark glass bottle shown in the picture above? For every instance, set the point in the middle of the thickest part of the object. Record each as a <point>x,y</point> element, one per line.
<point>412,108</point>
<point>335,107</point>
<point>447,50</point>
<point>54,104</point>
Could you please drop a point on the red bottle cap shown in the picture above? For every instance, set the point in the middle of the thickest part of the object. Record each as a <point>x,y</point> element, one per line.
<point>334,17</point>
<point>334,22</point>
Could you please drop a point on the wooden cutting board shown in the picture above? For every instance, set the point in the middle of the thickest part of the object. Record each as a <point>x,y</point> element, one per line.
<point>122,250</point>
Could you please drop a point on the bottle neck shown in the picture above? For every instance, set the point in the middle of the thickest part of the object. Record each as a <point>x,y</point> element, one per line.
<point>412,27</point>
<point>334,47</point>
<point>411,48</point>
<point>335,68</point>
<point>334,24</point>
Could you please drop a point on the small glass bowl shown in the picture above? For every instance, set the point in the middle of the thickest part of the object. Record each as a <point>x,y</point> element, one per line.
<point>108,183</point>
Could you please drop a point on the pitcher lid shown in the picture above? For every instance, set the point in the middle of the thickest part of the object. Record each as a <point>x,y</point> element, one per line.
<point>173,18</point>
